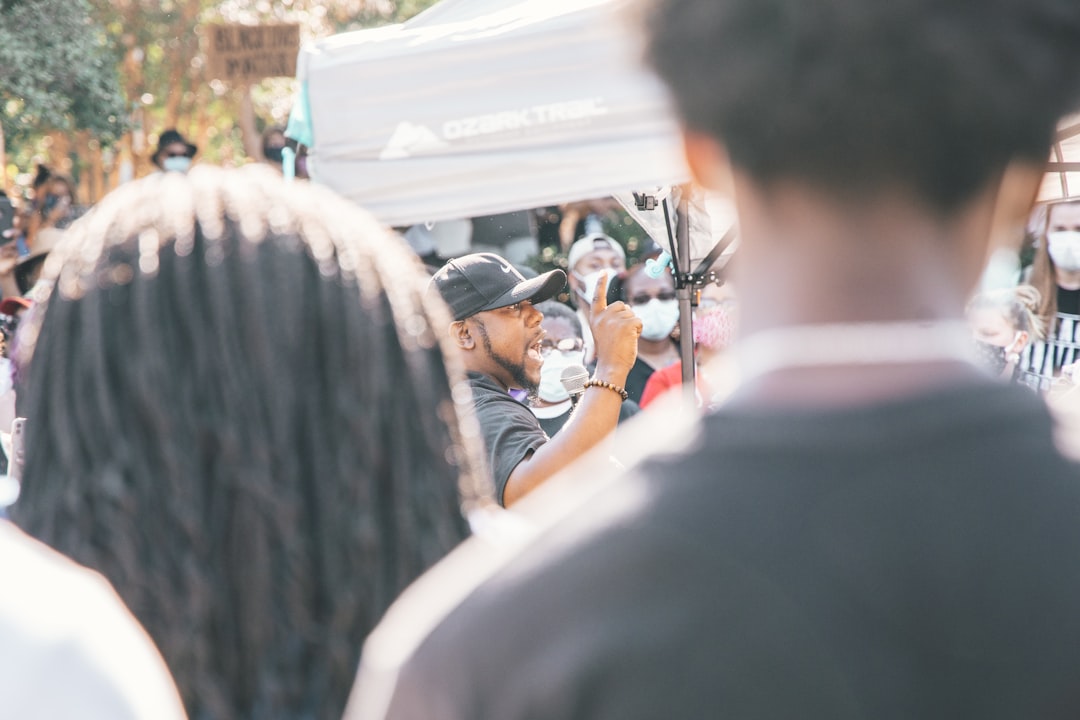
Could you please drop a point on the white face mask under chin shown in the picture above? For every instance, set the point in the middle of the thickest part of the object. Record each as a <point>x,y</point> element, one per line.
<point>551,387</point>
<point>658,318</point>
<point>1064,249</point>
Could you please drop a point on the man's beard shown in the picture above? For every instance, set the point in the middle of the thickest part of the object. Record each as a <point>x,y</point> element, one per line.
<point>516,370</point>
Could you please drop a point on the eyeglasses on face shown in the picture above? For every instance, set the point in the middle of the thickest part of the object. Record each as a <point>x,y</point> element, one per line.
<point>566,345</point>
<point>643,298</point>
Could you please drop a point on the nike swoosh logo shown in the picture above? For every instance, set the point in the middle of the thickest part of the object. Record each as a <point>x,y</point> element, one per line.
<point>506,269</point>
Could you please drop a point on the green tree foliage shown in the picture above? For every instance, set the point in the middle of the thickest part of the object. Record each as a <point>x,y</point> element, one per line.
<point>132,68</point>
<point>164,73</point>
<point>56,71</point>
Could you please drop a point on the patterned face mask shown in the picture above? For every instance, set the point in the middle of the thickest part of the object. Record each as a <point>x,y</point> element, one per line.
<point>714,328</point>
<point>991,357</point>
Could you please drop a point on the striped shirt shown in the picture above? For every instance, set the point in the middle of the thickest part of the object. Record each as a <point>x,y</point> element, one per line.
<point>1041,362</point>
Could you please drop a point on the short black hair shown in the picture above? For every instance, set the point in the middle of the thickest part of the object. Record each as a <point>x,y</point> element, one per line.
<point>931,97</point>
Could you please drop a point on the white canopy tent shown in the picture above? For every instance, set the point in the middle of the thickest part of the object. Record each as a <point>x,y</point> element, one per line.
<point>477,107</point>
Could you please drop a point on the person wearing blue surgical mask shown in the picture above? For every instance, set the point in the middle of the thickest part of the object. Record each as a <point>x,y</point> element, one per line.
<point>653,301</point>
<point>562,347</point>
<point>174,153</point>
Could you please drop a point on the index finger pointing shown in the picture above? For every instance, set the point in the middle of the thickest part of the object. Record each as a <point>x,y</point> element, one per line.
<point>599,300</point>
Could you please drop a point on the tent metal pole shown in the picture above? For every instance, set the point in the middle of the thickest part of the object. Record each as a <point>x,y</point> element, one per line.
<point>684,288</point>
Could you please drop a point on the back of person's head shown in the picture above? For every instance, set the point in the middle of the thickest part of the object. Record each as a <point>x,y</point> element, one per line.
<point>239,412</point>
<point>932,98</point>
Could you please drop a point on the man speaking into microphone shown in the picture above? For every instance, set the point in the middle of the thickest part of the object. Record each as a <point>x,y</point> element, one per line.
<point>498,331</point>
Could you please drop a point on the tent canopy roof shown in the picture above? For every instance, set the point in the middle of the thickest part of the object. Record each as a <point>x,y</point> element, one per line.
<point>477,107</point>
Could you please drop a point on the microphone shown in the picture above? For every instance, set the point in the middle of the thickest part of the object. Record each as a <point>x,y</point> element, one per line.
<point>573,378</point>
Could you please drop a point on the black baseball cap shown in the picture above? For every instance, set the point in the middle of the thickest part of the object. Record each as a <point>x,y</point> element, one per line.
<point>484,281</point>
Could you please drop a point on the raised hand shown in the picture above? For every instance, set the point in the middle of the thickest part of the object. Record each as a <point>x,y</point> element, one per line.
<point>615,331</point>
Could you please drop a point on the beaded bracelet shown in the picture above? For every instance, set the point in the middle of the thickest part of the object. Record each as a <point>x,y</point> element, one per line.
<point>607,386</point>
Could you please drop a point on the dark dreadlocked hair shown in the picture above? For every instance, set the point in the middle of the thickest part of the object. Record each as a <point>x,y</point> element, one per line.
<point>239,413</point>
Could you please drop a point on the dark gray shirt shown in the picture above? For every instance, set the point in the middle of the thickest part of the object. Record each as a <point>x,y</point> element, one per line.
<point>510,429</point>
<point>919,558</point>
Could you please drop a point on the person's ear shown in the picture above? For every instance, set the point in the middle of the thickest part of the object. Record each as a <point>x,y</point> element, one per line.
<point>708,161</point>
<point>460,335</point>
<point>1019,342</point>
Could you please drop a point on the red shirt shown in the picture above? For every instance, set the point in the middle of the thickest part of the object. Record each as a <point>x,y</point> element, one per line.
<point>668,378</point>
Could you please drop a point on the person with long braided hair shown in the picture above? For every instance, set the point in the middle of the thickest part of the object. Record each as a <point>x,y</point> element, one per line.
<point>239,412</point>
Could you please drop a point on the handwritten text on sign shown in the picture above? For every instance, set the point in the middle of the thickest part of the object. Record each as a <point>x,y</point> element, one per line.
<point>249,53</point>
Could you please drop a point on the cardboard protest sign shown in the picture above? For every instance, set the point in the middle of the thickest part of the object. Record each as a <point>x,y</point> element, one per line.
<point>240,54</point>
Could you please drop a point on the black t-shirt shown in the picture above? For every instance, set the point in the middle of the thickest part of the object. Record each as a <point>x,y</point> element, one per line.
<point>1068,301</point>
<point>552,425</point>
<point>510,429</point>
<point>916,559</point>
<point>637,378</point>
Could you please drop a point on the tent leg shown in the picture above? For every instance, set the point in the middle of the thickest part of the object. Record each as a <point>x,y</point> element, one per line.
<point>684,288</point>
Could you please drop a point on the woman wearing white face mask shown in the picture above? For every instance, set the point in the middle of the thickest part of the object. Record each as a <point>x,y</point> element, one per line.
<point>561,348</point>
<point>716,374</point>
<point>1056,275</point>
<point>653,301</point>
